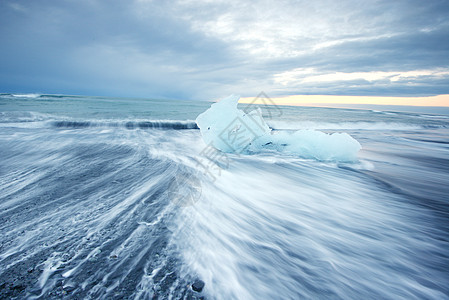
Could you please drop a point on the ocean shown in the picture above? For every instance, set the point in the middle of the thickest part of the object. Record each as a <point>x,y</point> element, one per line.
<point>116,198</point>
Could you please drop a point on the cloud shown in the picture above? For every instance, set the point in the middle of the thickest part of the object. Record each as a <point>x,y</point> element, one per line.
<point>307,76</point>
<point>207,49</point>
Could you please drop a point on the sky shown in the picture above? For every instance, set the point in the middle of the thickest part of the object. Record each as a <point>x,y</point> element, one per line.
<point>209,49</point>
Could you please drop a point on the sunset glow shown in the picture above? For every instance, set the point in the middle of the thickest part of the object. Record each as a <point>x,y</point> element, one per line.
<point>319,100</point>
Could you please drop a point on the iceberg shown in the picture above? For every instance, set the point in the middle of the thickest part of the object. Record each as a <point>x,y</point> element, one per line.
<point>231,130</point>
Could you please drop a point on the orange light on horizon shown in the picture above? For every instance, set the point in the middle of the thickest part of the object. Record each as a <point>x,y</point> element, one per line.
<point>308,100</point>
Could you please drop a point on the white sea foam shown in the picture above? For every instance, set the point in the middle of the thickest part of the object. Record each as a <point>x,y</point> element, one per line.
<point>26,95</point>
<point>230,129</point>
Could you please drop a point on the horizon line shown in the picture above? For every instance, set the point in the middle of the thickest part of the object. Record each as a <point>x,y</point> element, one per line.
<point>309,100</point>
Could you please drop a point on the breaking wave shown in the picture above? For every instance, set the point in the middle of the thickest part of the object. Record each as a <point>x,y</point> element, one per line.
<point>20,119</point>
<point>26,95</point>
<point>33,95</point>
<point>154,124</point>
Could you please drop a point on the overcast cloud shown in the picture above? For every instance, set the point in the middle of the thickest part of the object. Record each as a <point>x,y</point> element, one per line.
<point>208,49</point>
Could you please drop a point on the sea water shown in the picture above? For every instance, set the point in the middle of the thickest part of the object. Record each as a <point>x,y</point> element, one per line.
<point>122,198</point>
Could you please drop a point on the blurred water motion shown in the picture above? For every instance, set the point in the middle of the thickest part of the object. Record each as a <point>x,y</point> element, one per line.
<point>93,211</point>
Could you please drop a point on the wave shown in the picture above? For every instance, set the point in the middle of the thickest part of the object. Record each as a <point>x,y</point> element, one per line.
<point>36,95</point>
<point>26,95</point>
<point>153,124</point>
<point>279,125</point>
<point>433,116</point>
<point>23,117</point>
<point>19,119</point>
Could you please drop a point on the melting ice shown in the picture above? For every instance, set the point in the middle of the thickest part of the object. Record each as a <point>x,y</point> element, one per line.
<point>230,129</point>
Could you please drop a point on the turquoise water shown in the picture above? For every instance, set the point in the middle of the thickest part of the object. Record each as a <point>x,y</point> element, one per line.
<point>82,107</point>
<point>120,198</point>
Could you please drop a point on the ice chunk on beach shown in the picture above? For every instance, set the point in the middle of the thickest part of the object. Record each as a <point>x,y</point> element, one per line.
<point>311,144</point>
<point>230,129</point>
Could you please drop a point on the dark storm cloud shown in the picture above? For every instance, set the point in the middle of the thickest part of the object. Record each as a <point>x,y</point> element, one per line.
<point>99,47</point>
<point>206,49</point>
